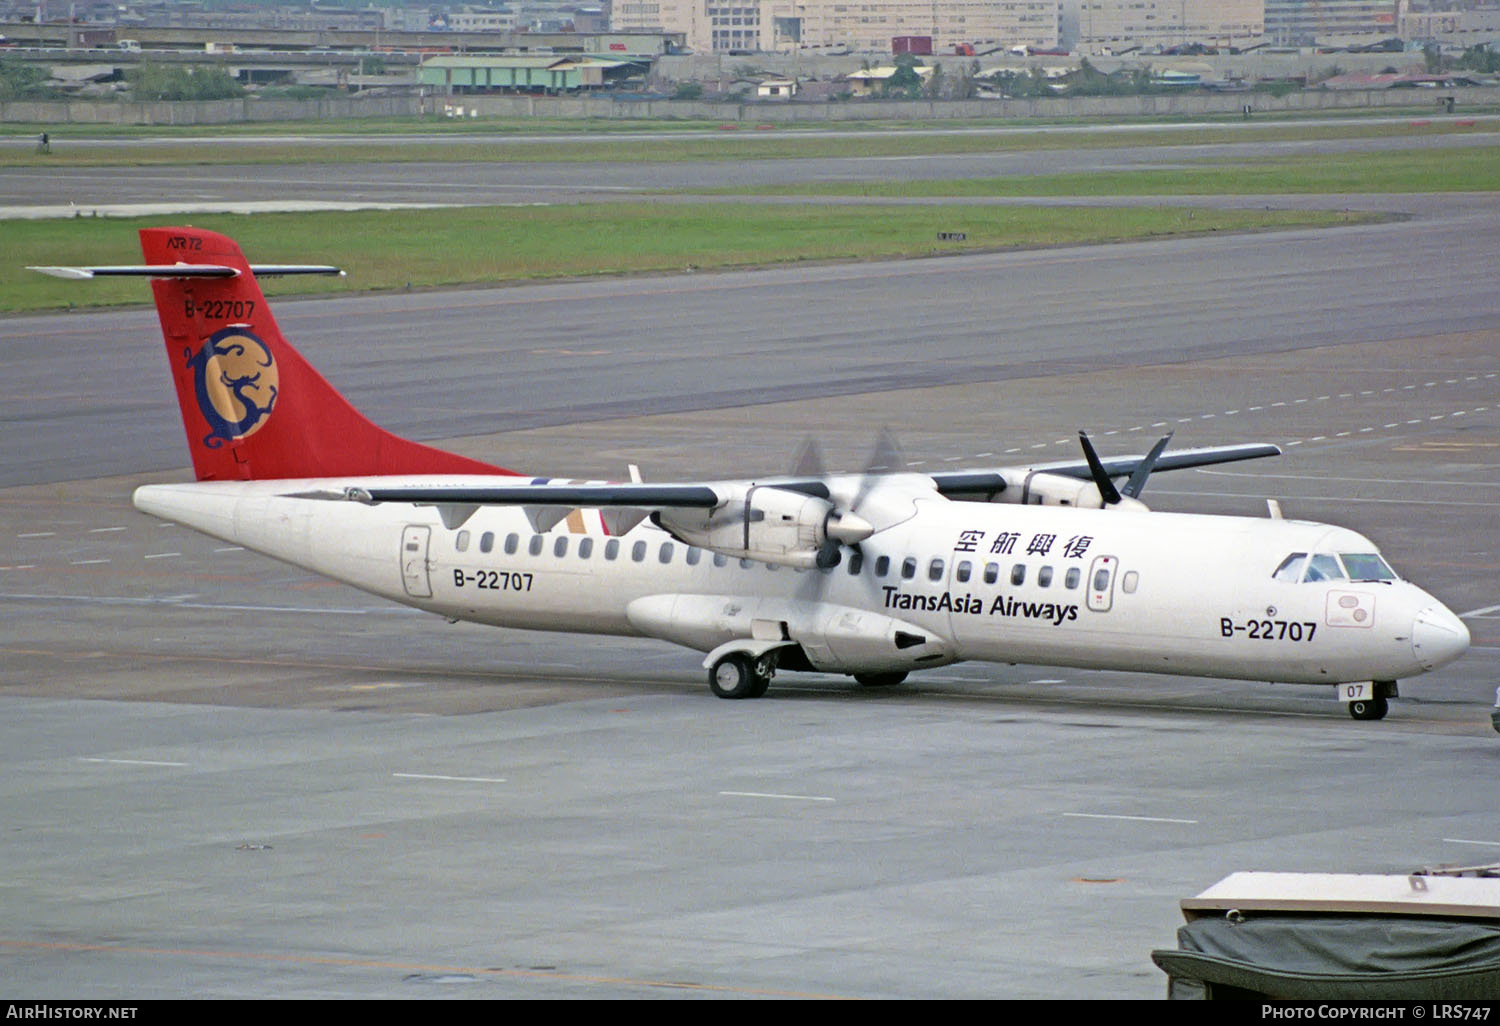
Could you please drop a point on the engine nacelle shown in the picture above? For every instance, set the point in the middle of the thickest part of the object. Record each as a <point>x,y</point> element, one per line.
<point>1038,488</point>
<point>768,524</point>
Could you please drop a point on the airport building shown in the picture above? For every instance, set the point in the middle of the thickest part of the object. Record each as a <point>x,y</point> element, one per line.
<point>726,26</point>
<point>1116,25</point>
<point>1338,22</point>
<point>1452,24</point>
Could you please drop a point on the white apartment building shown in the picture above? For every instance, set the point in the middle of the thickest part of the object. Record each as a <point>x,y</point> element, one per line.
<point>1120,24</point>
<point>1301,22</point>
<point>1470,25</point>
<point>720,26</point>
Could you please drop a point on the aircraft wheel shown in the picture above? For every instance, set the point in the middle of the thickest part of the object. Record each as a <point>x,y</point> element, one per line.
<point>763,670</point>
<point>1373,709</point>
<point>881,680</point>
<point>734,676</point>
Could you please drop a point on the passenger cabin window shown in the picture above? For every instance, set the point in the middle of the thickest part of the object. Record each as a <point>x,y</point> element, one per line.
<point>1130,582</point>
<point>935,570</point>
<point>512,543</point>
<point>962,571</point>
<point>1044,577</point>
<point>856,561</point>
<point>612,549</point>
<point>991,573</point>
<point>908,568</point>
<point>487,541</point>
<point>1072,578</point>
<point>560,547</point>
<point>585,548</point>
<point>665,555</point>
<point>461,543</point>
<point>720,559</point>
<point>693,555</point>
<point>535,546</point>
<point>882,565</point>
<point>1018,574</point>
<point>638,551</point>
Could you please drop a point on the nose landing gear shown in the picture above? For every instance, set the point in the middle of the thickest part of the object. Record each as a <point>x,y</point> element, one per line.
<point>1368,700</point>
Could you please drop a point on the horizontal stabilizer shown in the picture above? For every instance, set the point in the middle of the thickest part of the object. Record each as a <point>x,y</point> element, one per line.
<point>183,271</point>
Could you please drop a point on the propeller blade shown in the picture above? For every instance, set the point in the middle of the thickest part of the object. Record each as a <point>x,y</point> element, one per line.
<point>1138,479</point>
<point>809,461</point>
<point>1107,490</point>
<point>887,458</point>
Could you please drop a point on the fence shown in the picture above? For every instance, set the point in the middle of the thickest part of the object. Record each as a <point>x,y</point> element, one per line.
<point>216,112</point>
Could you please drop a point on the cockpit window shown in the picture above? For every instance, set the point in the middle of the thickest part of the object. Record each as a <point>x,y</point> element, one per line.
<point>1367,566</point>
<point>1291,567</point>
<point>1323,567</point>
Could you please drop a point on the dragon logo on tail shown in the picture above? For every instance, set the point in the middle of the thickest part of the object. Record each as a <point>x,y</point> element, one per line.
<point>235,379</point>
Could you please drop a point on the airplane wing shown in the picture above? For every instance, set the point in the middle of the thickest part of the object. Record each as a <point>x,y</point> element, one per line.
<point>980,485</point>
<point>983,485</point>
<point>800,521</point>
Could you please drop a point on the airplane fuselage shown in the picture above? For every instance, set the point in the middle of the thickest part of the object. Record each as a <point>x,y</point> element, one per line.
<point>1158,592</point>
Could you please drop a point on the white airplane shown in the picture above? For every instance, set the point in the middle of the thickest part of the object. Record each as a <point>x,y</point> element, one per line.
<point>873,575</point>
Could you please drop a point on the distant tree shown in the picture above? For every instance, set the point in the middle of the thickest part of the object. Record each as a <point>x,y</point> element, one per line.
<point>1480,58</point>
<point>688,91</point>
<point>157,82</point>
<point>933,87</point>
<point>905,82</point>
<point>964,86</point>
<point>22,81</point>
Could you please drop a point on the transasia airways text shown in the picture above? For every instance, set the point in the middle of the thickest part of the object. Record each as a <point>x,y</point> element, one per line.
<point>947,602</point>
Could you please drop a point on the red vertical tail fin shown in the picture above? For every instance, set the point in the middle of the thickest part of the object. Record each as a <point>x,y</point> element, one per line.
<point>252,406</point>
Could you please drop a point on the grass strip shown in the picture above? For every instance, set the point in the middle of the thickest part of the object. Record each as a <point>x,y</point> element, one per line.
<point>484,245</point>
<point>1454,169</point>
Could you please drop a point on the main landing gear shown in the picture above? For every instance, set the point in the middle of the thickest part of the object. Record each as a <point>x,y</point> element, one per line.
<point>741,675</point>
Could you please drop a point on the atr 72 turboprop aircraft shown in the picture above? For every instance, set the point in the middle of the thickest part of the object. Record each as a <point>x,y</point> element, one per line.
<point>873,575</point>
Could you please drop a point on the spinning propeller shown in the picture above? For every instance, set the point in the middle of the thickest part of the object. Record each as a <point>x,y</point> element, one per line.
<point>1132,490</point>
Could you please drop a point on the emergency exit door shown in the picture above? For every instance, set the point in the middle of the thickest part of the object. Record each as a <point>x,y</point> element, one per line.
<point>414,541</point>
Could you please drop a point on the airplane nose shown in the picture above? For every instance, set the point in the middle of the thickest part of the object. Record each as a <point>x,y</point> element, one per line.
<point>1438,637</point>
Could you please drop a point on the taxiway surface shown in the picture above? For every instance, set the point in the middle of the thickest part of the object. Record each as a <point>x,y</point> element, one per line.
<point>224,777</point>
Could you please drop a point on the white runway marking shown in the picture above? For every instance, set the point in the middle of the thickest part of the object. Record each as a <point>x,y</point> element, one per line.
<point>785,797</point>
<point>134,762</point>
<point>439,776</point>
<point>1138,819</point>
<point>1483,611</point>
<point>1460,840</point>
